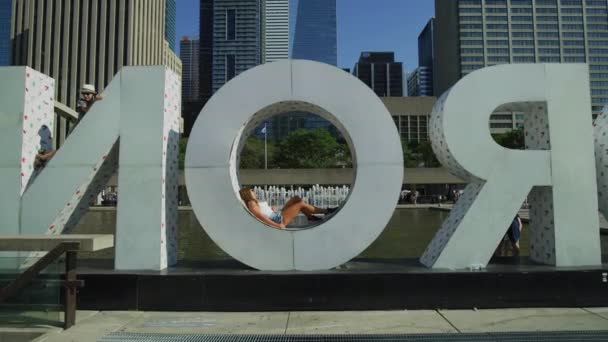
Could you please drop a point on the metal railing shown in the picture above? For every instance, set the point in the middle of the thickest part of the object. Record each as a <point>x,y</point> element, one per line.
<point>70,283</point>
<point>65,112</point>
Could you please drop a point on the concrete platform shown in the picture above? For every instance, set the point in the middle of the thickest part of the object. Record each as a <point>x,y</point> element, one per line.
<point>42,242</point>
<point>101,324</point>
<point>361,284</point>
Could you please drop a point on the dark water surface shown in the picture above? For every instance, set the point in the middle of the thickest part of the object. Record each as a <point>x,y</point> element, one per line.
<point>406,235</point>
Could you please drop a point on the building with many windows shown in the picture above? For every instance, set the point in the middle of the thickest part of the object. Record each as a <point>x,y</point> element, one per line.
<point>170,17</point>
<point>88,41</point>
<point>426,58</point>
<point>5,32</point>
<point>412,116</point>
<point>237,38</point>
<point>192,103</point>
<point>420,82</point>
<point>315,36</point>
<point>380,72</point>
<point>206,50</point>
<point>472,34</point>
<point>308,29</point>
<point>276,30</point>
<point>188,53</point>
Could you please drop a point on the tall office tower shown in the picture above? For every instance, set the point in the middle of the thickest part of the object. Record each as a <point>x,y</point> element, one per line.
<point>276,30</point>
<point>237,38</point>
<point>191,93</point>
<point>188,53</point>
<point>88,41</point>
<point>471,34</point>
<point>315,36</point>
<point>170,17</point>
<point>426,56</point>
<point>381,73</point>
<point>5,32</point>
<point>206,50</point>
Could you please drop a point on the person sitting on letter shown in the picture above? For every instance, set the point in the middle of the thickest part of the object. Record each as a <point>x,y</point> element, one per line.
<point>280,218</point>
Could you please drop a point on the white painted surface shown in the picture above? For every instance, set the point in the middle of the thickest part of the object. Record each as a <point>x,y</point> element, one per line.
<point>26,98</point>
<point>134,106</point>
<point>147,208</point>
<point>601,159</point>
<point>500,178</point>
<point>211,162</point>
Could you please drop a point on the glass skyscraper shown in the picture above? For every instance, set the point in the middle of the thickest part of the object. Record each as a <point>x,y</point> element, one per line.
<point>426,57</point>
<point>5,31</point>
<point>315,36</point>
<point>170,14</point>
<point>312,36</point>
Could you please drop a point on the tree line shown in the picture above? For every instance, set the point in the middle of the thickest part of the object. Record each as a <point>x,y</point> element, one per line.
<point>319,149</point>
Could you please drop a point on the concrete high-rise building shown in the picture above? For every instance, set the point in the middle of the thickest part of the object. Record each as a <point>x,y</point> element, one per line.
<point>420,82</point>
<point>472,34</point>
<point>315,36</point>
<point>426,57</point>
<point>205,64</point>
<point>5,32</point>
<point>381,73</point>
<point>413,88</point>
<point>237,38</point>
<point>276,30</point>
<point>188,53</point>
<point>170,21</point>
<point>191,93</point>
<point>88,41</point>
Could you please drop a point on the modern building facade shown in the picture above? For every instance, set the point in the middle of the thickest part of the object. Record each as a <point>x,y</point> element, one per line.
<point>237,38</point>
<point>188,53</point>
<point>420,82</point>
<point>88,41</point>
<point>315,36</point>
<point>412,84</point>
<point>411,116</point>
<point>426,58</point>
<point>206,50</point>
<point>472,34</point>
<point>170,22</point>
<point>381,73</point>
<point>5,32</point>
<point>276,30</point>
<point>191,93</point>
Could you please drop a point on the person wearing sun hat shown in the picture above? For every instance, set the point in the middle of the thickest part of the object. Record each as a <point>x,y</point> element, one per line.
<point>89,96</point>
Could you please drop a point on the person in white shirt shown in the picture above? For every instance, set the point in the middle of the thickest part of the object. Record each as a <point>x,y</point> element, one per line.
<point>280,218</point>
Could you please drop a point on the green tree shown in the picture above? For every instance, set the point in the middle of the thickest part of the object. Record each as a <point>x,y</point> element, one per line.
<point>344,157</point>
<point>252,155</point>
<point>183,142</point>
<point>309,149</point>
<point>426,154</point>
<point>513,139</point>
<point>408,157</point>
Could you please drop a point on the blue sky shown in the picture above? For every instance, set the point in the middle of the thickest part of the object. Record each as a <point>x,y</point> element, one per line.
<point>363,25</point>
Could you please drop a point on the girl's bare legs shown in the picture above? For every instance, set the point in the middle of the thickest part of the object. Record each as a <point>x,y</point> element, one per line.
<point>296,205</point>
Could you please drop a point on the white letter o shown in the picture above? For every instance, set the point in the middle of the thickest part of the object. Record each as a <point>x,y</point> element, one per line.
<point>212,170</point>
